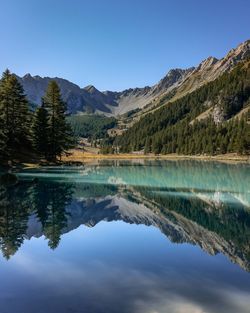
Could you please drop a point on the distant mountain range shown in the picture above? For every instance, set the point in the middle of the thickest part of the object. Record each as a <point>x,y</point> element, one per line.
<point>175,84</point>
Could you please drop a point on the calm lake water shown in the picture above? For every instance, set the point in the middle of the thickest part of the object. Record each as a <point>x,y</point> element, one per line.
<point>127,237</point>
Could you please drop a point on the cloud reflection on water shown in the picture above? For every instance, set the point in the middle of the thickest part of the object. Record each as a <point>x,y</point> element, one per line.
<point>59,283</point>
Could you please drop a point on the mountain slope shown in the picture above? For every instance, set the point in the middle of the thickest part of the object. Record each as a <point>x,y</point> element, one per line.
<point>138,98</point>
<point>175,84</point>
<point>194,123</point>
<point>211,68</point>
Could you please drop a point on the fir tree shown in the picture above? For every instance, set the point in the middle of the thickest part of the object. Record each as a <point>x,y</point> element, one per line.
<point>147,148</point>
<point>14,113</point>
<point>3,142</point>
<point>59,131</point>
<point>40,131</point>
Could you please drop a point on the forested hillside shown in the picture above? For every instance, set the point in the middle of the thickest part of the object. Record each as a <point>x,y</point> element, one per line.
<point>91,126</point>
<point>202,122</point>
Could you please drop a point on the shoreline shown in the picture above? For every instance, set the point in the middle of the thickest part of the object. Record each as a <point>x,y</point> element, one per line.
<point>85,157</point>
<point>80,158</point>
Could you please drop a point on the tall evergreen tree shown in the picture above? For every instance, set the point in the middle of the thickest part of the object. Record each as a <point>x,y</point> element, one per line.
<point>3,141</point>
<point>147,148</point>
<point>14,113</point>
<point>60,138</point>
<point>40,131</point>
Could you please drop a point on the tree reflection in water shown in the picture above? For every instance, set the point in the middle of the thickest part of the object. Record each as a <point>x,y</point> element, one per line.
<point>182,214</point>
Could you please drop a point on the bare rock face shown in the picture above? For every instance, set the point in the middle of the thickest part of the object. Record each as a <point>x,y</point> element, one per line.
<point>216,67</point>
<point>242,52</point>
<point>217,114</point>
<point>174,78</point>
<point>182,81</point>
<point>207,64</point>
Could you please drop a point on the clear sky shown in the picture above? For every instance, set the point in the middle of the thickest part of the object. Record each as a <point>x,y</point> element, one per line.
<point>117,44</point>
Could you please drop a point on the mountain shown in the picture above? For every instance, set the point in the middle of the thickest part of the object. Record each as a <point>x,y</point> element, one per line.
<point>211,119</point>
<point>211,68</point>
<point>175,84</point>
<point>78,99</point>
<point>138,98</point>
<point>92,100</point>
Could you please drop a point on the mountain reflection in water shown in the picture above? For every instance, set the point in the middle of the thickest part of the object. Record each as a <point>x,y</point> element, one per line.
<point>218,220</point>
<point>202,204</point>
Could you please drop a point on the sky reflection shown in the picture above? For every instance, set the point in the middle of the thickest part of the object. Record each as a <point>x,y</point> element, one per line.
<point>113,273</point>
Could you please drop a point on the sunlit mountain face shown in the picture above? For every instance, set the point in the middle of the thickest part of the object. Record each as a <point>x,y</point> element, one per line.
<point>146,236</point>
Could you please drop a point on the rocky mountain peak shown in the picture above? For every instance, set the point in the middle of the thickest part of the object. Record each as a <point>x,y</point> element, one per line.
<point>173,78</point>
<point>207,63</point>
<point>234,56</point>
<point>27,76</point>
<point>241,52</point>
<point>91,89</point>
<point>177,71</point>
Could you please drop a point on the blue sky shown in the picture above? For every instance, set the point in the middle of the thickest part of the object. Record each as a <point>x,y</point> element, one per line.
<point>117,44</point>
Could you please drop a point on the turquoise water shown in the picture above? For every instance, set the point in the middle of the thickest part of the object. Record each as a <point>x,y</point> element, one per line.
<point>141,236</point>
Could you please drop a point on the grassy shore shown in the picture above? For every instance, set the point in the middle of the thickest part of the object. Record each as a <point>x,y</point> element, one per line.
<point>85,156</point>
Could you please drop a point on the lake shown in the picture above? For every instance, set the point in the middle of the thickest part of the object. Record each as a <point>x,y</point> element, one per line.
<point>127,237</point>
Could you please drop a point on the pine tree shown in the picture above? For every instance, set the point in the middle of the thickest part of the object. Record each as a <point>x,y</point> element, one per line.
<point>223,146</point>
<point>3,142</point>
<point>14,113</point>
<point>147,148</point>
<point>40,131</point>
<point>60,138</point>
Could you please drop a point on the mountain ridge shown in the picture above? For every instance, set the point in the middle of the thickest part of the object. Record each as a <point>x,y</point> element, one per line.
<point>90,99</point>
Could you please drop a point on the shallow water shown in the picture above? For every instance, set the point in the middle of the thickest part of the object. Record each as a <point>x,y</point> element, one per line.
<point>139,236</point>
